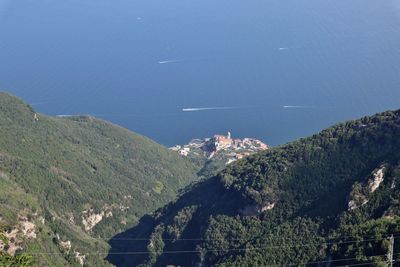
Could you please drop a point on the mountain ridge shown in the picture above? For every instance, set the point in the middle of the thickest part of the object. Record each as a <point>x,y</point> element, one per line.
<point>298,193</point>
<point>78,180</point>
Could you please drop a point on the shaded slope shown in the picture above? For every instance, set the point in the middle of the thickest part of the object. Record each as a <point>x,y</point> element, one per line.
<point>289,205</point>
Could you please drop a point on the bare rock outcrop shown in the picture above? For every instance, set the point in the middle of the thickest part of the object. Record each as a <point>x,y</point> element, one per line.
<point>91,219</point>
<point>24,230</point>
<point>377,179</point>
<point>255,210</point>
<point>361,191</point>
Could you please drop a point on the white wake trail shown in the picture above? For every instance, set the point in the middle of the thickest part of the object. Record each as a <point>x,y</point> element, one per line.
<point>207,108</point>
<point>171,61</point>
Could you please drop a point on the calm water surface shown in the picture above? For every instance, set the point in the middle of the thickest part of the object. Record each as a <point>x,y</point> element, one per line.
<point>138,63</point>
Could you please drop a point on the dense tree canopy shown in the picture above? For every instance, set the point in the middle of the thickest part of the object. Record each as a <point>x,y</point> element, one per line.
<point>56,171</point>
<point>315,201</point>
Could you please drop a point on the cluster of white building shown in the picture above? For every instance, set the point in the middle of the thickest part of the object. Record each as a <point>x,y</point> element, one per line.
<point>210,146</point>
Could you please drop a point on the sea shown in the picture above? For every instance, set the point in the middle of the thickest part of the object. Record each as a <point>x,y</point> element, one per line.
<point>174,70</point>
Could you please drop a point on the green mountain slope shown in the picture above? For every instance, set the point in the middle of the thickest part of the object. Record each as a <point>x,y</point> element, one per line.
<point>78,180</point>
<point>328,200</point>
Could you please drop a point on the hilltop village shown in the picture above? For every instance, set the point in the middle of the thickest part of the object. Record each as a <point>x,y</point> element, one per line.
<point>222,146</point>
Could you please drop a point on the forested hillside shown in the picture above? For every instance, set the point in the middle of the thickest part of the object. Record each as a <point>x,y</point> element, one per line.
<point>331,199</point>
<point>68,184</point>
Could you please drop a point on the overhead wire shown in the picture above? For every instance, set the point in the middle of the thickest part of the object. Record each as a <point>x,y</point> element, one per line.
<point>224,250</point>
<point>237,239</point>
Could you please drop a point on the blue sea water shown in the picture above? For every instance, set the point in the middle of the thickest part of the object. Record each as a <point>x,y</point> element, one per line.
<point>139,62</point>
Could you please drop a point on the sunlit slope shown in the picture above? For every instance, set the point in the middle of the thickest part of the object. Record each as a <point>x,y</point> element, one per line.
<point>330,199</point>
<point>80,177</point>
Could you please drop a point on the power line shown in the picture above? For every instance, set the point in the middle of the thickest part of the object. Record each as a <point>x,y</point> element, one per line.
<point>313,262</point>
<point>269,247</point>
<point>218,239</point>
<point>214,250</point>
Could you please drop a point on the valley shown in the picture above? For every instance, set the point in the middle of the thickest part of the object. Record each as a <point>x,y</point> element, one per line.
<point>69,184</point>
<point>80,191</point>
